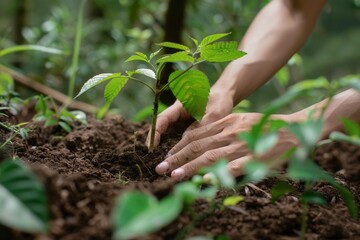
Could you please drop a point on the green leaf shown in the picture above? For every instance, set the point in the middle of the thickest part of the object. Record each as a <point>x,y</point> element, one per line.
<point>113,88</point>
<point>352,128</point>
<point>130,205</point>
<point>146,72</point>
<point>283,76</point>
<point>79,116</point>
<point>232,200</point>
<point>308,133</point>
<point>187,191</point>
<point>352,81</point>
<point>265,143</point>
<point>306,170</point>
<point>255,171</point>
<point>30,48</point>
<point>176,57</point>
<point>192,89</point>
<point>23,201</point>
<point>221,52</point>
<point>24,133</point>
<point>295,91</point>
<point>6,83</point>
<point>174,45</point>
<point>195,41</point>
<point>313,197</point>
<point>212,38</point>
<point>138,214</point>
<point>338,136</point>
<point>65,126</point>
<point>221,171</point>
<point>152,55</point>
<point>96,80</point>
<point>348,199</point>
<point>136,58</point>
<point>50,121</point>
<point>279,190</point>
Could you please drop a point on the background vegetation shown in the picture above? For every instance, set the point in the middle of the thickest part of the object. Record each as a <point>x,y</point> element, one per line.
<point>113,30</point>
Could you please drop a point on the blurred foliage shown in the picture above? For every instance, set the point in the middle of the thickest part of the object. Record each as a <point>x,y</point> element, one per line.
<point>113,30</point>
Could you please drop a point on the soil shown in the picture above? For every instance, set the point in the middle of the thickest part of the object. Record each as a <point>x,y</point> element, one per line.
<point>86,170</point>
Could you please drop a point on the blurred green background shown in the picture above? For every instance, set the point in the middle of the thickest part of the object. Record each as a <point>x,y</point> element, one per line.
<point>114,29</point>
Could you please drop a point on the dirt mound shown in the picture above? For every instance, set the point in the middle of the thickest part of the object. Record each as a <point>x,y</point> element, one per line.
<point>86,170</point>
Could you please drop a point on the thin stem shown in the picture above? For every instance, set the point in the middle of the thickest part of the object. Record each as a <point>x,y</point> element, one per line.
<point>304,219</point>
<point>75,58</point>
<point>186,70</point>
<point>146,84</point>
<point>154,118</point>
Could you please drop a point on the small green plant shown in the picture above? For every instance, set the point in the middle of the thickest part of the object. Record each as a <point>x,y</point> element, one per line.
<point>137,213</point>
<point>190,86</point>
<point>48,111</point>
<point>10,103</point>
<point>301,167</point>
<point>23,201</point>
<point>352,130</point>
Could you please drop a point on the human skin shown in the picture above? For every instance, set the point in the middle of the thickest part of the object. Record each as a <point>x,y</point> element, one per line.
<point>207,144</point>
<point>277,32</point>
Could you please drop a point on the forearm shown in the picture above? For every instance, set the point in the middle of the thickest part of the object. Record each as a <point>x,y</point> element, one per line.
<point>345,104</point>
<point>276,33</point>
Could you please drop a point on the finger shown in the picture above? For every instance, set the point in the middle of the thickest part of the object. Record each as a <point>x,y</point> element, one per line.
<point>196,134</point>
<point>192,126</point>
<point>190,152</point>
<point>236,167</point>
<point>230,153</point>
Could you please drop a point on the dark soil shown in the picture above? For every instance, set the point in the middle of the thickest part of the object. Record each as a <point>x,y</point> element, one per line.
<point>86,170</point>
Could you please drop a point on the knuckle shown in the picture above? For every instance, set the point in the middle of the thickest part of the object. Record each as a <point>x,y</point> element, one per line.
<point>211,157</point>
<point>189,136</point>
<point>195,147</point>
<point>234,167</point>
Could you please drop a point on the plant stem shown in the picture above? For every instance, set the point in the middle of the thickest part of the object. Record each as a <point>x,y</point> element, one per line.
<point>77,43</point>
<point>154,116</point>
<point>304,218</point>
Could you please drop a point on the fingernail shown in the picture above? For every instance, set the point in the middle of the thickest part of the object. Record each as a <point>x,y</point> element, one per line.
<point>178,173</point>
<point>162,168</point>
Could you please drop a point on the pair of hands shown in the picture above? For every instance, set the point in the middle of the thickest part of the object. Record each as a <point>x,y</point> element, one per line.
<point>215,137</point>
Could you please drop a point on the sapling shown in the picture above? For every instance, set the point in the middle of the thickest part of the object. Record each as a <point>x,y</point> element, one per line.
<point>190,86</point>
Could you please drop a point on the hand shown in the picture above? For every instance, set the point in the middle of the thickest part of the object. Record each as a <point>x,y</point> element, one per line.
<point>205,145</point>
<point>219,105</point>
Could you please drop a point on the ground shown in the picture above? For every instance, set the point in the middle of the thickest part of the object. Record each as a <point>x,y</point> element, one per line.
<point>86,170</point>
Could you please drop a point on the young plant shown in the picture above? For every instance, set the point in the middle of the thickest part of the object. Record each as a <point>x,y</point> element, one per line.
<point>47,111</point>
<point>190,86</point>
<point>23,198</point>
<point>137,213</point>
<point>352,130</point>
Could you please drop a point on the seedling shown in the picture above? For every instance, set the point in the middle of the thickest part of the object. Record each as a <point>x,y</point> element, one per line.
<point>47,111</point>
<point>352,130</point>
<point>137,213</point>
<point>190,86</point>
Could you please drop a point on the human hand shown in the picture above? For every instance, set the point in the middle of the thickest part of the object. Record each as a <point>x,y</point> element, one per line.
<point>219,105</point>
<point>205,145</point>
